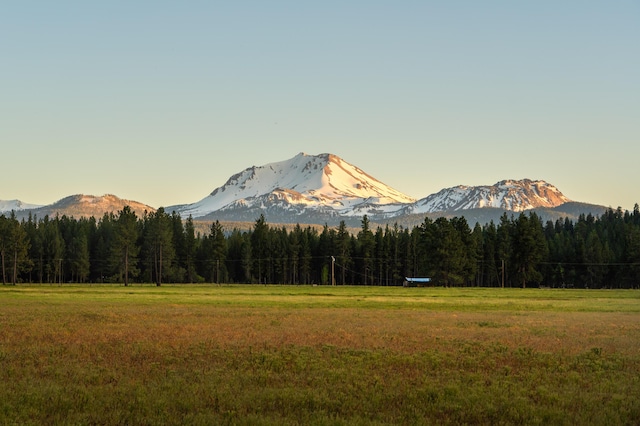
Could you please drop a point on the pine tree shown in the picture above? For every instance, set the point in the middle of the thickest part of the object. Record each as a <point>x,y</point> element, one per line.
<point>125,248</point>
<point>367,245</point>
<point>504,247</point>
<point>101,250</point>
<point>469,258</point>
<point>491,266</point>
<point>239,266</point>
<point>33,235</point>
<point>294,253</point>
<point>324,249</point>
<point>633,255</point>
<point>261,250</point>
<point>76,234</point>
<point>306,242</point>
<point>178,270</point>
<point>392,242</point>
<point>19,246</point>
<point>477,255</point>
<point>158,241</point>
<point>423,242</point>
<point>528,248</point>
<point>52,250</point>
<point>448,254</point>
<point>190,250</point>
<point>380,257</point>
<point>343,250</point>
<point>5,230</point>
<point>218,251</point>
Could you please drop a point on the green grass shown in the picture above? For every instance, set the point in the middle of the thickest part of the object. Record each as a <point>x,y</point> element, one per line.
<point>188,354</point>
<point>444,299</point>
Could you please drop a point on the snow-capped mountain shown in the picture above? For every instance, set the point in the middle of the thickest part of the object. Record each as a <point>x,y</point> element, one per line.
<point>303,186</point>
<point>325,188</point>
<point>511,195</point>
<point>15,205</point>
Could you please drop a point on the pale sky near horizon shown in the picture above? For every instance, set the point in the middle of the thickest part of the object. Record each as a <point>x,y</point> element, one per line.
<point>162,101</point>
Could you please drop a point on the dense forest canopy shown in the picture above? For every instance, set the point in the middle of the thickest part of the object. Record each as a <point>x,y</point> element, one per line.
<point>519,251</point>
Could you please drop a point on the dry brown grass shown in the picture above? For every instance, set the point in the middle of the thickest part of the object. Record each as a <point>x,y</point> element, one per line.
<point>83,358</point>
<point>396,330</point>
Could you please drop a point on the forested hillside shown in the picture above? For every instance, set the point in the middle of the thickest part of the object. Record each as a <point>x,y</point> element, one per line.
<point>518,251</point>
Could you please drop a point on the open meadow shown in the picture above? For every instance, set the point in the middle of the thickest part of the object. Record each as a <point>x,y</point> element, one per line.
<point>232,354</point>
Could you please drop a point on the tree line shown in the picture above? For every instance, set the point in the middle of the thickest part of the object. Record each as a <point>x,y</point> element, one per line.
<point>161,247</point>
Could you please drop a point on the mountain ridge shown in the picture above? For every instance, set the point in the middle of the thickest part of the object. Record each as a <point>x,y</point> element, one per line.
<point>510,194</point>
<point>285,191</point>
<point>325,189</point>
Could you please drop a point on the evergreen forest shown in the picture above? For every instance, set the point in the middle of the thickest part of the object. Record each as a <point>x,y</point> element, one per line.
<point>519,251</point>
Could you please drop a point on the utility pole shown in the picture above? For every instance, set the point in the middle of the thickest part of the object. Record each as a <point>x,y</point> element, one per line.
<point>502,273</point>
<point>160,267</point>
<point>333,263</point>
<point>15,268</point>
<point>126,265</point>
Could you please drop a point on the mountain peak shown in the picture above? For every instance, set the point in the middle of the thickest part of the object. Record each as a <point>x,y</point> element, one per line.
<point>323,181</point>
<point>510,194</point>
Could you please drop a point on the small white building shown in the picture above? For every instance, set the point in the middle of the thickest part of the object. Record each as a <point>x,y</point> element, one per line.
<point>416,282</point>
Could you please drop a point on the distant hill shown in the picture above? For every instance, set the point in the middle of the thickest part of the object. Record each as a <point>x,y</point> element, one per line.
<point>86,206</point>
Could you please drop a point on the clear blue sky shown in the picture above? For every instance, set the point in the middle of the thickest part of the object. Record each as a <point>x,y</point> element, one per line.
<point>162,101</point>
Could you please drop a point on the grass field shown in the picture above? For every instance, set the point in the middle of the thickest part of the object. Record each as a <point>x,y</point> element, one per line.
<point>187,354</point>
